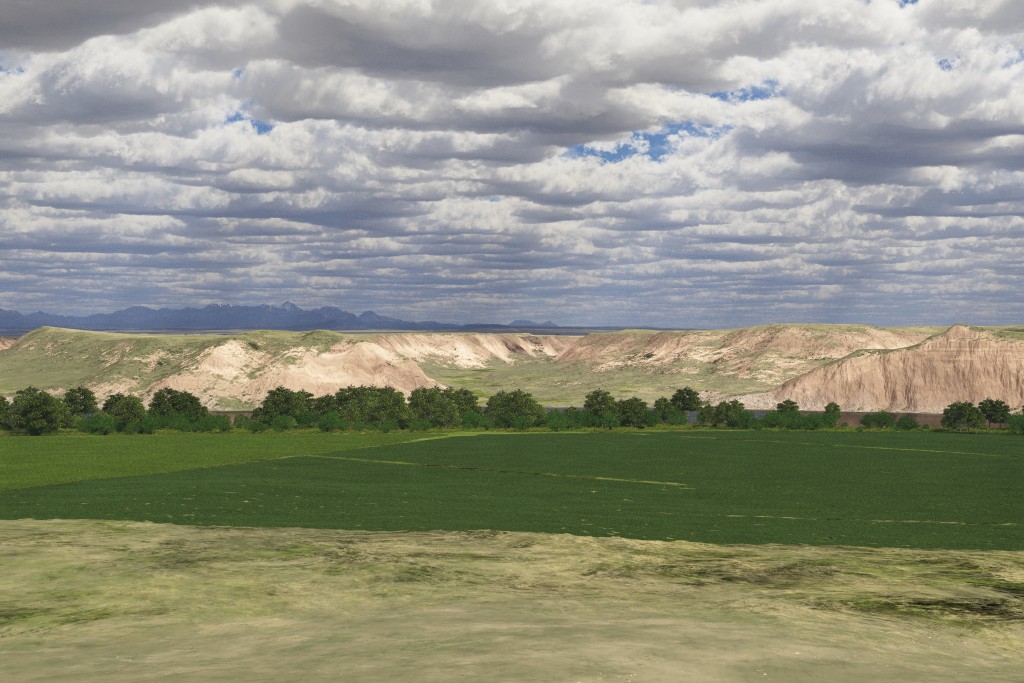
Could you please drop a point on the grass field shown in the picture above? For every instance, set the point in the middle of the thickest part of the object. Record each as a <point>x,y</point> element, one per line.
<point>414,583</point>
<point>918,490</point>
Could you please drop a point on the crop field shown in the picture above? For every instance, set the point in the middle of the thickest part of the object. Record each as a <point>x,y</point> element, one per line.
<point>916,490</point>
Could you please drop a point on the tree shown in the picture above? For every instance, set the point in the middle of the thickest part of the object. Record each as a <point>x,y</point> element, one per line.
<point>465,400</point>
<point>602,407</point>
<point>5,413</point>
<point>663,408</point>
<point>515,408</point>
<point>787,406</point>
<point>434,406</point>
<point>833,409</point>
<point>126,410</point>
<point>686,399</point>
<point>374,406</point>
<point>731,414</point>
<point>80,402</point>
<point>962,415</point>
<point>322,405</point>
<point>36,412</point>
<point>633,412</point>
<point>282,401</point>
<point>169,402</point>
<point>995,411</point>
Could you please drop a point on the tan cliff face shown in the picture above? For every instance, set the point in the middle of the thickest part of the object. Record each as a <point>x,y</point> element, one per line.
<point>961,364</point>
<point>6,343</point>
<point>858,366</point>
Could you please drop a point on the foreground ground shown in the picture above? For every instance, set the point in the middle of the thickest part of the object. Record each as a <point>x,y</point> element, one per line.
<point>236,590</point>
<point>122,601</point>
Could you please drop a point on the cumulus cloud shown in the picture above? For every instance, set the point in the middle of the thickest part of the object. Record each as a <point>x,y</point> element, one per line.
<point>660,162</point>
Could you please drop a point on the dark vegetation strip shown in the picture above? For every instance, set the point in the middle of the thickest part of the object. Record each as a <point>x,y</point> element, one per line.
<point>741,491</point>
<point>65,458</point>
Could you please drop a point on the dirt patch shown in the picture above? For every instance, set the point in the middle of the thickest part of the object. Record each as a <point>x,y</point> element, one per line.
<point>112,601</point>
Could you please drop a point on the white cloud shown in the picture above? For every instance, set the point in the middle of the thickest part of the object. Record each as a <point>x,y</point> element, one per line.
<point>666,162</point>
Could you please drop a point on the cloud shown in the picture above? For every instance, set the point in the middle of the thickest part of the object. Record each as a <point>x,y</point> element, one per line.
<point>675,163</point>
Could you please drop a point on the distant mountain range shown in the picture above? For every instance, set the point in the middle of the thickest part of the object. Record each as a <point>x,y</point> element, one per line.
<point>214,317</point>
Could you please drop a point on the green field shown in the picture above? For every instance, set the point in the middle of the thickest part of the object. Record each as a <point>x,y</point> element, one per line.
<point>919,490</point>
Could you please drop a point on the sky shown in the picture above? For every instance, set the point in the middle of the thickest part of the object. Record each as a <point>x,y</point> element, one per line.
<point>668,163</point>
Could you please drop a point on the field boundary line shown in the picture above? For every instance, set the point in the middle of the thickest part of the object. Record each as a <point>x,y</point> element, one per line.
<point>467,468</point>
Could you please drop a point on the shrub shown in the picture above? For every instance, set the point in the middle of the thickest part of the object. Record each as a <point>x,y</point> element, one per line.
<point>906,423</point>
<point>881,419</point>
<point>97,423</point>
<point>1015,424</point>
<point>281,423</point>
<point>474,419</point>
<point>331,422</point>
<point>213,423</point>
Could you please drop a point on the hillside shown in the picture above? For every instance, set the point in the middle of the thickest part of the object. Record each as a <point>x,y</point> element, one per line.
<point>962,363</point>
<point>234,371</point>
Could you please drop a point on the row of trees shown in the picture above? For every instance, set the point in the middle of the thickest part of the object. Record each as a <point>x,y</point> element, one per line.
<point>34,411</point>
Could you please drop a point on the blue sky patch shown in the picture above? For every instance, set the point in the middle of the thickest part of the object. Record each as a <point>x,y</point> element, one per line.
<point>261,127</point>
<point>654,146</point>
<point>904,3</point>
<point>945,65</point>
<point>764,91</point>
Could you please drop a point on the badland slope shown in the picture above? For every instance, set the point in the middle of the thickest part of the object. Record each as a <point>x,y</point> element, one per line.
<point>960,364</point>
<point>235,371</point>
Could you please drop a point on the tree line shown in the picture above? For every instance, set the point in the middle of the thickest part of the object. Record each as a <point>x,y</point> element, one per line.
<point>36,412</point>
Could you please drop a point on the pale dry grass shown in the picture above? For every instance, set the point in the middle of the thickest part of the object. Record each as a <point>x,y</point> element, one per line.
<point>116,601</point>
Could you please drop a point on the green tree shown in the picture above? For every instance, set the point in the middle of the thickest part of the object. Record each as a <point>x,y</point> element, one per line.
<point>686,399</point>
<point>633,412</point>
<point>36,412</point>
<point>126,410</point>
<point>962,415</point>
<point>5,413</point>
<point>282,401</point>
<point>465,400</point>
<point>515,408</point>
<point>602,407</point>
<point>372,406</point>
<point>833,409</point>
<point>169,402</point>
<point>995,411</point>
<point>435,406</point>
<point>80,402</point>
<point>322,405</point>
<point>663,408</point>
<point>787,406</point>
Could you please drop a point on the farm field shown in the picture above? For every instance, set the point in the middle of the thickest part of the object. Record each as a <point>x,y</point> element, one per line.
<point>918,490</point>
<point>656,556</point>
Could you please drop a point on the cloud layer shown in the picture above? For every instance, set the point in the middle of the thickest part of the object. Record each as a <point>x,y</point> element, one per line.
<point>661,162</point>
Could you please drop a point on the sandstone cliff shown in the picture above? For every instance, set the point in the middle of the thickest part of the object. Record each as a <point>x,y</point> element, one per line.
<point>961,364</point>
